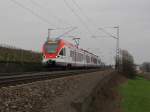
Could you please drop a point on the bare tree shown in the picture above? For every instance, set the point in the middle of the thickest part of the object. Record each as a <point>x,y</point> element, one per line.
<point>146,66</point>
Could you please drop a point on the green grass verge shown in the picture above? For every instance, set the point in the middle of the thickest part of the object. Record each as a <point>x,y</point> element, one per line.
<point>136,95</point>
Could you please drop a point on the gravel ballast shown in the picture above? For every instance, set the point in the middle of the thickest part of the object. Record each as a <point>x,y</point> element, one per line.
<point>57,95</point>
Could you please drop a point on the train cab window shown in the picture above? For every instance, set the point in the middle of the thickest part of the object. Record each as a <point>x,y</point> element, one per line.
<point>63,52</point>
<point>51,48</point>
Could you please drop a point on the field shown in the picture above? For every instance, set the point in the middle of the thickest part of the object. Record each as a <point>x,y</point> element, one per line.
<point>136,95</point>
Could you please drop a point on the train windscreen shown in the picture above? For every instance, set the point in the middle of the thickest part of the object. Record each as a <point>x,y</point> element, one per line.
<point>51,48</point>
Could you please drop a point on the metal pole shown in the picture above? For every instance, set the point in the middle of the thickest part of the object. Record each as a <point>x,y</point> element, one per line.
<point>117,45</point>
<point>22,57</point>
<point>118,49</point>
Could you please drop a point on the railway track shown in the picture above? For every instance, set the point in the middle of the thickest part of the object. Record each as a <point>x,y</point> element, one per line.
<point>16,78</point>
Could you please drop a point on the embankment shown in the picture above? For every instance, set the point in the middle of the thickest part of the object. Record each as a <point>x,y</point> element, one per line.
<point>91,92</point>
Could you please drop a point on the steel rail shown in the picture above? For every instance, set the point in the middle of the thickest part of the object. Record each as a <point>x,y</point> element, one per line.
<point>27,78</point>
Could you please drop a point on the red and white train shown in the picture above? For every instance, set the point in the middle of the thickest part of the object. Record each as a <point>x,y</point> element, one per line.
<point>62,53</point>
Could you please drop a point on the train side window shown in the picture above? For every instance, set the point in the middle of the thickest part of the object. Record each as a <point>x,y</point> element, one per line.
<point>71,54</point>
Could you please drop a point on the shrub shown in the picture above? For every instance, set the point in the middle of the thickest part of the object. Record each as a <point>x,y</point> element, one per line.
<point>127,65</point>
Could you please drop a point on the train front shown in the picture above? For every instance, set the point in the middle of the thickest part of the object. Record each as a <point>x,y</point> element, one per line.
<point>50,51</point>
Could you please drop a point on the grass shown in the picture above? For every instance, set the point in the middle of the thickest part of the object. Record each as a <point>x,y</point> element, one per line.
<point>136,95</point>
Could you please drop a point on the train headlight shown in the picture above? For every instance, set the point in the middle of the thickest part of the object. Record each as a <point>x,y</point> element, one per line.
<point>44,56</point>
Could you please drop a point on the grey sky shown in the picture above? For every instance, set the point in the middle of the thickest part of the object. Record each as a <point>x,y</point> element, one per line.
<point>20,28</point>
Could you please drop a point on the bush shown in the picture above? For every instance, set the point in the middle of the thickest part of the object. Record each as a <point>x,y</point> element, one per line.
<point>127,65</point>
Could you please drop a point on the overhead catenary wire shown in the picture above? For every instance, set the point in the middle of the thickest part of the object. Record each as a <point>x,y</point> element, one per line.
<point>88,19</point>
<point>65,33</point>
<point>34,13</point>
<point>82,12</point>
<point>78,17</point>
<point>31,11</point>
<point>48,10</point>
<point>102,29</point>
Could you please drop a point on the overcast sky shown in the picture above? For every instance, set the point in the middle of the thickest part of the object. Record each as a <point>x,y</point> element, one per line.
<point>23,29</point>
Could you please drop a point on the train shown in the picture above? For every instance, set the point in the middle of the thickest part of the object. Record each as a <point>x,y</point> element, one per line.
<point>61,53</point>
